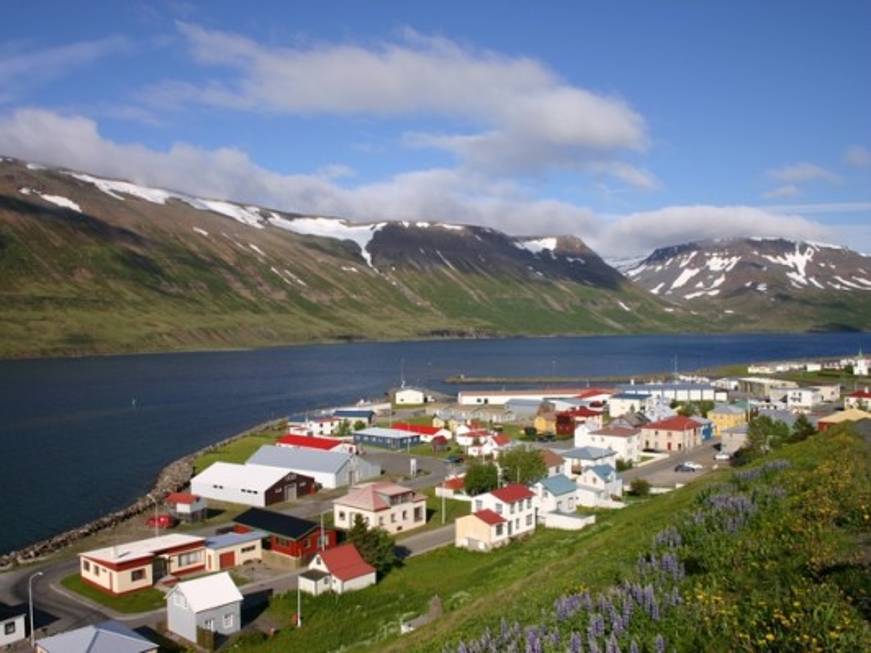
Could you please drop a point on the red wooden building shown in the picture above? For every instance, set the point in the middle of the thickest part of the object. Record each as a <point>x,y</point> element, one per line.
<point>299,539</point>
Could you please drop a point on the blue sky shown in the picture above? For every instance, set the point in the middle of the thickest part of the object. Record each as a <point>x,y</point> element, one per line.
<point>631,124</point>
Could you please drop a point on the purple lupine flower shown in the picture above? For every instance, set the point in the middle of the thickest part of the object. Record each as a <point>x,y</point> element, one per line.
<point>462,648</point>
<point>633,647</point>
<point>592,644</point>
<point>533,642</point>
<point>575,645</point>
<point>659,644</point>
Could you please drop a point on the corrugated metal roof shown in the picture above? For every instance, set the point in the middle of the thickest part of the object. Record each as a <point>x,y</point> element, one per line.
<point>208,592</point>
<point>559,485</point>
<point>327,462</point>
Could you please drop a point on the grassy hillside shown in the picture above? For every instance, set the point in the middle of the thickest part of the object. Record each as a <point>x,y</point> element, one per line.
<point>129,275</point>
<point>773,557</point>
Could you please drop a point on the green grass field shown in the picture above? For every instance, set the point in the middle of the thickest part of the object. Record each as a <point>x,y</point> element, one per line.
<point>141,601</point>
<point>237,451</point>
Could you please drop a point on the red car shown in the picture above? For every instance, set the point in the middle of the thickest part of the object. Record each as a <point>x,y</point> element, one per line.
<point>162,521</point>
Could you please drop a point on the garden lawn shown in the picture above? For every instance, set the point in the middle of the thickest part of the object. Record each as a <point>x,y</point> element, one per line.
<point>141,601</point>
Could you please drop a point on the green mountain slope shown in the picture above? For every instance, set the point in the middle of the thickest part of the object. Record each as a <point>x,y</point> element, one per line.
<point>88,268</point>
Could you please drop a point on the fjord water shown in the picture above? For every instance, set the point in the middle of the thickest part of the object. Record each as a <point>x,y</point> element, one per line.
<point>82,437</point>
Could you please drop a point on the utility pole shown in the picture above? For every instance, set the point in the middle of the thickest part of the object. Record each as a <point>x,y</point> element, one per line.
<point>156,527</point>
<point>30,602</point>
<point>298,606</point>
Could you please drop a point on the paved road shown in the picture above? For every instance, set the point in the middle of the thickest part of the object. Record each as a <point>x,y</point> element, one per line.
<point>59,610</point>
<point>660,473</point>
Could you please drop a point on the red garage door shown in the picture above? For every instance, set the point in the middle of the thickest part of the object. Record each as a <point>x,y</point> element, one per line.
<point>227,560</point>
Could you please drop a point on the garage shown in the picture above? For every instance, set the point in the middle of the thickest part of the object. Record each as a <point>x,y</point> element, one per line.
<point>227,560</point>
<point>232,549</point>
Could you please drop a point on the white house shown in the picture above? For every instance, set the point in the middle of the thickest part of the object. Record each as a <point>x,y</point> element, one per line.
<point>803,398</point>
<point>678,391</point>
<point>514,503</point>
<point>555,494</point>
<point>627,402</point>
<point>502,397</point>
<point>382,504</point>
<point>468,437</point>
<point>490,445</point>
<point>340,569</point>
<point>860,366</point>
<point>860,399</point>
<point>212,603</point>
<point>410,397</point>
<point>597,484</point>
<point>11,625</point>
<point>324,425</point>
<point>625,442</point>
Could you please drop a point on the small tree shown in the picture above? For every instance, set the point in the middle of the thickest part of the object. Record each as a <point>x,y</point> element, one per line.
<point>375,545</point>
<point>522,465</point>
<point>623,465</point>
<point>480,477</point>
<point>530,432</point>
<point>639,487</point>
<point>343,429</point>
<point>359,425</point>
<point>764,434</point>
<point>801,430</point>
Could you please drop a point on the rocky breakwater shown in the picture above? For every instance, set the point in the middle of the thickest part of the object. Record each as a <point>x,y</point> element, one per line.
<point>172,478</point>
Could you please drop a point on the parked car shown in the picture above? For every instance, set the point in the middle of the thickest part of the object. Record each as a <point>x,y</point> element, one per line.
<point>454,459</point>
<point>722,455</point>
<point>161,521</point>
<point>684,467</point>
<point>695,466</point>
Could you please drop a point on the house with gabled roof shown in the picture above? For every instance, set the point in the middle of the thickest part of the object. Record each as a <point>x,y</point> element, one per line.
<point>186,507</point>
<point>482,530</point>
<point>581,457</point>
<point>250,484</point>
<point>553,462</point>
<point>382,504</point>
<point>341,569</point>
<point>209,603</point>
<point>597,485</point>
<point>555,494</point>
<point>860,399</point>
<point>492,444</point>
<point>105,637</point>
<point>514,503</point>
<point>426,433</point>
<point>12,624</point>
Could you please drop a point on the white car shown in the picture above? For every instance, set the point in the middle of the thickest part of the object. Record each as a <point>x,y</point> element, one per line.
<point>695,466</point>
<point>722,456</point>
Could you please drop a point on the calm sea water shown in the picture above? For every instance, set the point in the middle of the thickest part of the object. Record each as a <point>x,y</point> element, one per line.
<point>73,445</point>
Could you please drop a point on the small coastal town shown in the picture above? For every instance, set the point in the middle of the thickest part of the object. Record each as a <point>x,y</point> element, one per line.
<point>336,501</point>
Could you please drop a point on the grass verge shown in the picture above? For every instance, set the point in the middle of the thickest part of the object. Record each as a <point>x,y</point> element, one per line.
<point>141,601</point>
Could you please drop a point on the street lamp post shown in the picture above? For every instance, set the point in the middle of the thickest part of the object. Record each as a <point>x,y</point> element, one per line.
<point>156,520</point>
<point>298,606</point>
<point>30,601</point>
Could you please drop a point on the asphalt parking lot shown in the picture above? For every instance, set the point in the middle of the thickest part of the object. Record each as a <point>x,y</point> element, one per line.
<point>661,473</point>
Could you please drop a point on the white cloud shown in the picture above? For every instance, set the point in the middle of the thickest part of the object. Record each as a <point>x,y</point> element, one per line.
<point>787,190</point>
<point>524,117</point>
<point>26,69</point>
<point>452,195</point>
<point>802,172</point>
<point>858,156</point>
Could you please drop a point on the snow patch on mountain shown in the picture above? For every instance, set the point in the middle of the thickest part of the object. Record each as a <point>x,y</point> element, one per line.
<point>684,276</point>
<point>361,234</point>
<point>57,200</point>
<point>538,245</point>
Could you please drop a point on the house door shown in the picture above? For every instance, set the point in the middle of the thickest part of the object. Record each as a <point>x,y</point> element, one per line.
<point>159,569</point>
<point>290,492</point>
<point>669,446</point>
<point>227,560</point>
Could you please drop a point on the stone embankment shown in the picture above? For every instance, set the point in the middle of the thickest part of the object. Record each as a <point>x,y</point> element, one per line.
<point>172,478</point>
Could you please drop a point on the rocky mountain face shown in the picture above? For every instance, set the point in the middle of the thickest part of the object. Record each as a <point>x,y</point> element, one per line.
<point>814,285</point>
<point>89,264</point>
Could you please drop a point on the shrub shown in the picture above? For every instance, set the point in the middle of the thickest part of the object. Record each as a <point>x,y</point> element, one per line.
<point>639,487</point>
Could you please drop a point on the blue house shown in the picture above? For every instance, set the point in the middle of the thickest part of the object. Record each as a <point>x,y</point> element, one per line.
<point>386,438</point>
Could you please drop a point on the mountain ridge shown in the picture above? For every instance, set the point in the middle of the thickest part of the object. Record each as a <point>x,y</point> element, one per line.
<point>97,265</point>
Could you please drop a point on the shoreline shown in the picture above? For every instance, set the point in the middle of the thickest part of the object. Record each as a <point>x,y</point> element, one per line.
<point>171,478</point>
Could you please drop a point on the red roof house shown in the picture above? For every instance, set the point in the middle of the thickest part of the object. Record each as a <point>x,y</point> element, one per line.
<point>512,493</point>
<point>309,442</point>
<point>340,569</point>
<point>671,434</point>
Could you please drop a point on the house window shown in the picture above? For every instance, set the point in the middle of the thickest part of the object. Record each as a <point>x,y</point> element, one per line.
<point>86,565</point>
<point>498,508</point>
<point>498,530</point>
<point>529,520</point>
<point>137,574</point>
<point>228,620</point>
<point>96,570</point>
<point>249,549</point>
<point>209,624</point>
<point>341,515</point>
<point>392,518</point>
<point>9,628</point>
<point>188,559</point>
<point>179,600</point>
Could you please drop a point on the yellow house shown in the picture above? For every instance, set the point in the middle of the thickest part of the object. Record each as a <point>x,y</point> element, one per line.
<point>726,417</point>
<point>481,531</point>
<point>545,422</point>
<point>136,565</point>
